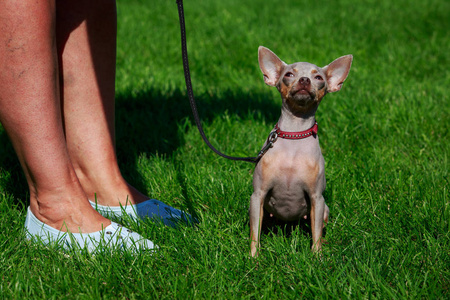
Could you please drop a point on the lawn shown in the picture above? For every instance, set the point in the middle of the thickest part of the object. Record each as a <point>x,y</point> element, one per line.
<point>384,137</point>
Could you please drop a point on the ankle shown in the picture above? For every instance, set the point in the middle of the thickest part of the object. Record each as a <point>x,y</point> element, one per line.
<point>67,213</point>
<point>112,192</point>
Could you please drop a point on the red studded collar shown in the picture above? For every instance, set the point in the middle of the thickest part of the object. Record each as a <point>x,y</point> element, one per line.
<point>296,135</point>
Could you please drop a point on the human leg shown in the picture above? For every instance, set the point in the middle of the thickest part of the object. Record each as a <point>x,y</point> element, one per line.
<point>86,34</point>
<point>30,114</point>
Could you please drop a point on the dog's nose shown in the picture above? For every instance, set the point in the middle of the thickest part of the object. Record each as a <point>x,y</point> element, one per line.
<point>304,81</point>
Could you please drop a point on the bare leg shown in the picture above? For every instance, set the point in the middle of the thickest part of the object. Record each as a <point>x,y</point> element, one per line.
<point>30,113</point>
<point>86,34</point>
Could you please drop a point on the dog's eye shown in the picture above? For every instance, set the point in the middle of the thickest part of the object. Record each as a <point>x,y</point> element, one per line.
<point>318,77</point>
<point>289,74</point>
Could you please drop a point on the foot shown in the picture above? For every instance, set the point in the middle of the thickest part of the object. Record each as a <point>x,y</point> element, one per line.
<point>120,198</point>
<point>113,236</point>
<point>153,209</point>
<point>111,191</point>
<point>67,209</point>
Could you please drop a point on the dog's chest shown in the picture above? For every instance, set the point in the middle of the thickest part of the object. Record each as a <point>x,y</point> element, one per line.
<point>291,172</point>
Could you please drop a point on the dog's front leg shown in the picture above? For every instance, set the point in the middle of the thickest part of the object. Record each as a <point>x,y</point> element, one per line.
<point>317,218</point>
<point>256,217</point>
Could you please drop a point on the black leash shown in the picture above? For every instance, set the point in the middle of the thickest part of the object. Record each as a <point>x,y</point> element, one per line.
<point>190,92</point>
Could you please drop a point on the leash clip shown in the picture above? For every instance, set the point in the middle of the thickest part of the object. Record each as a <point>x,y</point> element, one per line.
<point>273,136</point>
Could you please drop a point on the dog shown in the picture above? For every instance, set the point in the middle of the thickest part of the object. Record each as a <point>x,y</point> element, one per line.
<point>289,178</point>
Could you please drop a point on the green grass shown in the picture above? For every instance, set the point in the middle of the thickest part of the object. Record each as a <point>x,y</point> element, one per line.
<point>384,137</point>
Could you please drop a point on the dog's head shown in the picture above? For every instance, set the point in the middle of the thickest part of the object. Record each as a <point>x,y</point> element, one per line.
<point>302,85</point>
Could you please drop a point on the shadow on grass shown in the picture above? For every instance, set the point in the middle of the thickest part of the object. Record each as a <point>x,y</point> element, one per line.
<point>148,122</point>
<point>12,179</point>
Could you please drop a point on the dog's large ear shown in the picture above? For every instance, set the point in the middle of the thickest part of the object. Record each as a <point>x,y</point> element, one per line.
<point>271,66</point>
<point>337,72</point>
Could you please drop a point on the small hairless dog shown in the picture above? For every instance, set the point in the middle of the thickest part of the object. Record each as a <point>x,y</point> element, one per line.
<point>289,179</point>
